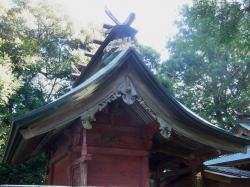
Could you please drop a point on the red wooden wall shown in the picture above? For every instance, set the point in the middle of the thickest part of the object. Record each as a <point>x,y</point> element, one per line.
<point>113,153</point>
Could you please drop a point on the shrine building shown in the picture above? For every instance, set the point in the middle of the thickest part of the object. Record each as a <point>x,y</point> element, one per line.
<point>118,126</point>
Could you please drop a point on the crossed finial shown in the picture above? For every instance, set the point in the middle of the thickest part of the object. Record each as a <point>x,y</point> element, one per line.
<point>128,21</point>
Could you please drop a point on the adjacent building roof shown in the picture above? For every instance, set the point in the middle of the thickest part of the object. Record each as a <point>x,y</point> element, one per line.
<point>245,123</point>
<point>242,128</point>
<point>230,160</point>
<point>123,75</point>
<point>230,172</point>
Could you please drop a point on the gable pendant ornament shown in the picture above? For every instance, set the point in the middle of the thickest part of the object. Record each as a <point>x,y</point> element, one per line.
<point>127,91</point>
<point>165,128</point>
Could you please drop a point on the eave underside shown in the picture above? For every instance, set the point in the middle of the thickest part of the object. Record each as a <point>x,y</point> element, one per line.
<point>175,149</point>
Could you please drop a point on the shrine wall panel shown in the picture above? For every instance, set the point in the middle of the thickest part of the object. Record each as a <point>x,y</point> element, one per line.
<point>115,136</point>
<point>60,175</point>
<point>116,170</point>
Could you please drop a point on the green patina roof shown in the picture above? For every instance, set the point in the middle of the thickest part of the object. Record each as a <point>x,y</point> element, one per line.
<point>98,79</point>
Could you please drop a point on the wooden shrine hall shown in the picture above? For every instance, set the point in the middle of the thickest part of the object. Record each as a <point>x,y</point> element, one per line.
<point>118,126</point>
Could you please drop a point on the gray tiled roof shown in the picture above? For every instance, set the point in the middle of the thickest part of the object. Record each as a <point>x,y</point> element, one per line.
<point>229,171</point>
<point>229,158</point>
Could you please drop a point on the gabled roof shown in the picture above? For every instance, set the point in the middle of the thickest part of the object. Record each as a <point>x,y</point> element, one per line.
<point>125,76</point>
<point>117,32</point>
<point>230,160</point>
<point>245,124</point>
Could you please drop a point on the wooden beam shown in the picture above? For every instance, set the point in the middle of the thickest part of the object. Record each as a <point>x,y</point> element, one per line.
<point>44,141</point>
<point>129,19</point>
<point>172,163</point>
<point>89,55</point>
<point>82,65</point>
<point>75,69</point>
<point>107,32</point>
<point>172,152</point>
<point>112,17</point>
<point>75,148</point>
<point>107,26</point>
<point>177,172</point>
<point>216,177</point>
<point>99,42</point>
<point>75,74</point>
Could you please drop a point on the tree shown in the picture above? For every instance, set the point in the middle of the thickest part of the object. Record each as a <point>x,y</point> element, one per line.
<point>150,56</point>
<point>37,47</point>
<point>209,63</point>
<point>8,82</point>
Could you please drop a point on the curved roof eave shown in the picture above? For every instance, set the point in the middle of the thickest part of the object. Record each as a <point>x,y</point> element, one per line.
<point>43,112</point>
<point>183,112</point>
<point>184,120</point>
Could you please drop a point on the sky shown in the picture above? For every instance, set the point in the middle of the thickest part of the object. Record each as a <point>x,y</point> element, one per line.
<point>154,18</point>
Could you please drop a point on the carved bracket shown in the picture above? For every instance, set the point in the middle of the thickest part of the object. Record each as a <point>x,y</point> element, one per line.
<point>126,90</point>
<point>86,122</point>
<point>165,128</point>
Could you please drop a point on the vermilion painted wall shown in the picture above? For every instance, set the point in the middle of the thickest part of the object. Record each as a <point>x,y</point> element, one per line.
<point>113,153</point>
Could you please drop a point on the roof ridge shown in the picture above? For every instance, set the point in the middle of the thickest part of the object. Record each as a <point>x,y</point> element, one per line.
<point>117,32</point>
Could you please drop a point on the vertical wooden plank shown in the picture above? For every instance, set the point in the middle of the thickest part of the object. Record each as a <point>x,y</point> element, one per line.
<point>84,174</point>
<point>145,172</point>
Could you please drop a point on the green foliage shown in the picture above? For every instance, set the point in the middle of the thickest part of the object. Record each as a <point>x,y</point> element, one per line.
<point>8,82</point>
<point>208,68</point>
<point>150,56</point>
<point>31,172</point>
<point>210,60</point>
<point>152,60</point>
<point>37,47</point>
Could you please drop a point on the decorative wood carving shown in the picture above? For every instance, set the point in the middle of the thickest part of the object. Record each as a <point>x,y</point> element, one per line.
<point>120,44</point>
<point>165,128</point>
<point>125,90</point>
<point>128,93</point>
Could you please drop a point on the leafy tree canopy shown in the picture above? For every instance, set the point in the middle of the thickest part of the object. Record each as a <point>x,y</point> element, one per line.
<point>37,47</point>
<point>208,69</point>
<point>209,64</point>
<point>150,56</point>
